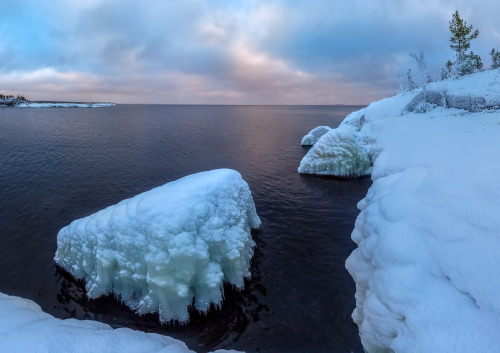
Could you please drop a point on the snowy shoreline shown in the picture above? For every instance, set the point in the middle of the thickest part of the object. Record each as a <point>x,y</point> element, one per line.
<point>17,103</point>
<point>24,327</point>
<point>426,269</point>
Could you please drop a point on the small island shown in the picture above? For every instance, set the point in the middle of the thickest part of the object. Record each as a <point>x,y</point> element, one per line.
<point>21,102</point>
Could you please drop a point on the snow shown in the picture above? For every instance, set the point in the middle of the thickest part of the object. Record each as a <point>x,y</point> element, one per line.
<point>313,136</point>
<point>341,152</point>
<point>63,105</point>
<point>160,249</point>
<point>426,265</point>
<point>24,327</point>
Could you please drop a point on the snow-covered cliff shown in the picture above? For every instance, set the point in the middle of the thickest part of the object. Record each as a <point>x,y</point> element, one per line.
<point>426,267</point>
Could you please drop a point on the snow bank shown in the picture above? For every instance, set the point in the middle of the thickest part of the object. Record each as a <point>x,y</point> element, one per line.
<point>313,136</point>
<point>24,327</point>
<point>158,250</point>
<point>426,267</point>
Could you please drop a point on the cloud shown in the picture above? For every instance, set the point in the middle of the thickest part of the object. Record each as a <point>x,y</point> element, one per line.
<point>245,52</point>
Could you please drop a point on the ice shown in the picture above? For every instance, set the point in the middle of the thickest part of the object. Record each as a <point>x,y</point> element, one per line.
<point>426,266</point>
<point>341,152</point>
<point>160,249</point>
<point>314,135</point>
<point>24,327</point>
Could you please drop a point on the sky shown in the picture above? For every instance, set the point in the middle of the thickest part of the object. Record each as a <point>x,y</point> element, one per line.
<point>228,51</point>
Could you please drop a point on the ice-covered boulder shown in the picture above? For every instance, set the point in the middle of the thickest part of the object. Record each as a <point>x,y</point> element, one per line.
<point>340,152</point>
<point>469,103</point>
<point>314,135</point>
<point>160,249</point>
<point>24,327</point>
<point>428,98</point>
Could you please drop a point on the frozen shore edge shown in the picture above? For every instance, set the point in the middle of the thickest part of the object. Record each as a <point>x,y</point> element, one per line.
<point>426,270</point>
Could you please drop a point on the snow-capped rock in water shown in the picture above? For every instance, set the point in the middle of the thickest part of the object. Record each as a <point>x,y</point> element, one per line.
<point>342,152</point>
<point>24,327</point>
<point>314,135</point>
<point>426,268</point>
<point>160,249</point>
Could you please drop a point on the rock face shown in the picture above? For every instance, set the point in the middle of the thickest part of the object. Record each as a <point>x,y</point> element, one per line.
<point>435,98</point>
<point>466,102</point>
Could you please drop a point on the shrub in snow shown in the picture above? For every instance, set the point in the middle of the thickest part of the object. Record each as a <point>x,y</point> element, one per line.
<point>495,59</point>
<point>314,135</point>
<point>160,249</point>
<point>469,64</point>
<point>338,153</point>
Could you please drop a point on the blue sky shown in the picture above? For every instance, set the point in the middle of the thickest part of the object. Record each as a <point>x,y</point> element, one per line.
<point>228,52</point>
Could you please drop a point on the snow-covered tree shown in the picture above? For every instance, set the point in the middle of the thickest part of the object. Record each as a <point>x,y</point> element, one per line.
<point>495,59</point>
<point>411,83</point>
<point>469,64</point>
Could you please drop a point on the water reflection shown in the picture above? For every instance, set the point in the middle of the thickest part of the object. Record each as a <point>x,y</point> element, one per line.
<point>217,328</point>
<point>60,165</point>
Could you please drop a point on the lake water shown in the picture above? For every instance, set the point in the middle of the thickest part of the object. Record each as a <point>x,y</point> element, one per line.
<point>57,165</point>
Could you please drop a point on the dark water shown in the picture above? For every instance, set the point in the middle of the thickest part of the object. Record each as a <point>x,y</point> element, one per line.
<point>57,165</point>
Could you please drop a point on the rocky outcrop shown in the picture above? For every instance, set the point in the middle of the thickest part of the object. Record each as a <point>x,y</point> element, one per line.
<point>434,98</point>
<point>11,102</point>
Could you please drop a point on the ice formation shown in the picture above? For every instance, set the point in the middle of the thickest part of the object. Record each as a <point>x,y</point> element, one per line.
<point>160,249</point>
<point>342,152</point>
<point>314,135</point>
<point>24,327</point>
<point>426,267</point>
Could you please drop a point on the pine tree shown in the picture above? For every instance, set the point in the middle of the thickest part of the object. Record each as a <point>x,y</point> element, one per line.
<point>461,36</point>
<point>495,59</point>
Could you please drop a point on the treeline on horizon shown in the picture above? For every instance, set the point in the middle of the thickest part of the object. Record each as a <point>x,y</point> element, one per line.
<point>10,96</point>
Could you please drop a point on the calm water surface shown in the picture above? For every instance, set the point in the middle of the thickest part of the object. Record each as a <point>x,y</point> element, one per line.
<point>57,165</point>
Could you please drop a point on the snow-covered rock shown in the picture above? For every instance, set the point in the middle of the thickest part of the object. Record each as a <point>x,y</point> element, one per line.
<point>24,327</point>
<point>11,102</point>
<point>160,249</point>
<point>339,152</point>
<point>426,267</point>
<point>342,152</point>
<point>314,135</point>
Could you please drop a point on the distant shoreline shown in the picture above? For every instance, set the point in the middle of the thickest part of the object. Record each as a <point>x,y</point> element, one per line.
<point>18,103</point>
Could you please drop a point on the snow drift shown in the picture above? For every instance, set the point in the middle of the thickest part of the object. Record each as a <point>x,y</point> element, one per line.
<point>160,249</point>
<point>24,327</point>
<point>426,267</point>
